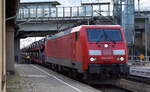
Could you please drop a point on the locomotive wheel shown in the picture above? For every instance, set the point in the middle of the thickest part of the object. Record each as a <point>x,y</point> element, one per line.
<point>53,67</point>
<point>70,73</point>
<point>85,76</point>
<point>59,68</point>
<point>74,74</point>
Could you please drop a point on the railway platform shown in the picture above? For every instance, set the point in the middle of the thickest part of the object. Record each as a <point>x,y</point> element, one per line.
<point>35,78</point>
<point>141,71</point>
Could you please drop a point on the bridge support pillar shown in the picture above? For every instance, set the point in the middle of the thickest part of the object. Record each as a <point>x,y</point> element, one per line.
<point>17,50</point>
<point>10,48</point>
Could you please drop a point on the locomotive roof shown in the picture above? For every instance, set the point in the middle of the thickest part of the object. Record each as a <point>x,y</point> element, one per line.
<point>76,29</point>
<point>103,25</point>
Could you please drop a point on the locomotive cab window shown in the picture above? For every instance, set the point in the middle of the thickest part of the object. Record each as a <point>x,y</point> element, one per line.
<point>98,35</point>
<point>76,36</point>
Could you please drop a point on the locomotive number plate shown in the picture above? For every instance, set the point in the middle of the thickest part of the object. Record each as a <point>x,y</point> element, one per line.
<point>107,58</point>
<point>107,52</point>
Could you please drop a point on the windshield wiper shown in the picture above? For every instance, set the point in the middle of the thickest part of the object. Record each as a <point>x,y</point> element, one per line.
<point>105,37</point>
<point>108,38</point>
<point>100,37</point>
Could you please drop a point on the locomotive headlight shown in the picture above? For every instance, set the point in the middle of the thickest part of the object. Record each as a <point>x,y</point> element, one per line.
<point>121,58</point>
<point>92,59</point>
<point>106,45</point>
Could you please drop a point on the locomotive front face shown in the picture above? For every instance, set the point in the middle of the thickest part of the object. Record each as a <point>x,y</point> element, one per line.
<point>106,45</point>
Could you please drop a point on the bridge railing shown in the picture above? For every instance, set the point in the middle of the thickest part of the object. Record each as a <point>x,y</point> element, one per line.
<point>64,12</point>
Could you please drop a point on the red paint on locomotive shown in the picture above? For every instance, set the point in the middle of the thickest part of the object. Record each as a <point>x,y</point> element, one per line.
<point>73,48</point>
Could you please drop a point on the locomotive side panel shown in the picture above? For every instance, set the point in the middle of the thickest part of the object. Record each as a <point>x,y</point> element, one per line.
<point>65,51</point>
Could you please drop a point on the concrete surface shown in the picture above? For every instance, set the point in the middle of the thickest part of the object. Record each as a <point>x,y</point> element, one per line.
<point>10,48</point>
<point>35,78</point>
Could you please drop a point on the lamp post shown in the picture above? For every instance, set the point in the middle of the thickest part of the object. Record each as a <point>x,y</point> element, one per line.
<point>146,32</point>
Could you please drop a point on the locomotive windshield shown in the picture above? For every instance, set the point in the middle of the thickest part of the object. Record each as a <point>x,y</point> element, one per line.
<point>98,35</point>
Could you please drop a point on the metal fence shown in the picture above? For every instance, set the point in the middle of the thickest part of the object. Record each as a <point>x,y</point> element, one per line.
<point>138,59</point>
<point>67,12</point>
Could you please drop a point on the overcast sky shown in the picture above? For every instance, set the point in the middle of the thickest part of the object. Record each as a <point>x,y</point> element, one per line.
<point>144,3</point>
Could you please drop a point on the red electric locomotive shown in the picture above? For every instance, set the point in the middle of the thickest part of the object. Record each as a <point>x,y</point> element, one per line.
<point>89,49</point>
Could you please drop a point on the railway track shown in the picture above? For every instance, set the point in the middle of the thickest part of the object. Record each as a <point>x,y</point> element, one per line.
<point>125,85</point>
<point>110,88</point>
<point>139,79</point>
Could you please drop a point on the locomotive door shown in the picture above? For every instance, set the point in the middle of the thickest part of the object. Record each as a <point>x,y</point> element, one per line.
<point>75,42</point>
